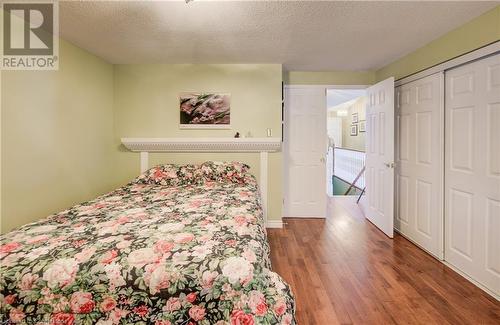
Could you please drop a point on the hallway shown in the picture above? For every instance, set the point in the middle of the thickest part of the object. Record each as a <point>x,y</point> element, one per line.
<point>343,270</point>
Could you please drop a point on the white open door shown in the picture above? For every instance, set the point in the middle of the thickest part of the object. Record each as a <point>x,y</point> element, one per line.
<point>305,151</point>
<point>379,205</point>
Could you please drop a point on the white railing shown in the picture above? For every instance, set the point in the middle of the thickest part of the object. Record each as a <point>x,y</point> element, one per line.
<point>347,164</point>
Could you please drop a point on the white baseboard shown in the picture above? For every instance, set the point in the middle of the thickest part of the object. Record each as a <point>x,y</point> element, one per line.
<point>307,217</point>
<point>474,282</point>
<point>274,224</point>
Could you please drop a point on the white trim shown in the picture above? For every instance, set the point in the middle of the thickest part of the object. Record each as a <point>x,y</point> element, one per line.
<point>418,245</point>
<point>347,86</point>
<point>305,86</point>
<point>144,161</point>
<point>306,217</point>
<point>205,126</point>
<point>274,224</point>
<point>452,63</point>
<point>461,273</point>
<point>327,86</point>
<point>474,282</point>
<point>263,180</point>
<point>261,145</point>
<point>441,161</point>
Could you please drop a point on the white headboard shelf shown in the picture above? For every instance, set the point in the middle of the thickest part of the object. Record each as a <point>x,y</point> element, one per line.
<point>202,144</point>
<point>258,145</point>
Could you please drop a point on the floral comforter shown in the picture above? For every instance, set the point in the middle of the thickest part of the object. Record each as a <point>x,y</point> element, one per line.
<point>149,254</point>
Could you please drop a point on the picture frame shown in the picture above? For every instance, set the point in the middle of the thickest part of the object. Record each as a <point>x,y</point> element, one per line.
<point>204,110</point>
<point>354,130</point>
<point>355,118</point>
<point>362,126</point>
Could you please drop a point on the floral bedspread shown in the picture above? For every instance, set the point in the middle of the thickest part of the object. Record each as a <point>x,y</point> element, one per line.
<point>149,254</point>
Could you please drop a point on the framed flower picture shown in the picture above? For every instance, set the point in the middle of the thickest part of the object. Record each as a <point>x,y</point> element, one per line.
<point>205,110</point>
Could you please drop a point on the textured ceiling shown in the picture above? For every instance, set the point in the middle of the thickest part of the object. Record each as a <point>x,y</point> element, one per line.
<point>302,35</point>
<point>335,97</point>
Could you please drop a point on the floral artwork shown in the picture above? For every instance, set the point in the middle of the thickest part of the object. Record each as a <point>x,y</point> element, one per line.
<point>179,245</point>
<point>205,110</point>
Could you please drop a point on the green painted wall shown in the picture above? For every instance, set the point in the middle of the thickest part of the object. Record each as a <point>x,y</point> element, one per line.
<point>56,137</point>
<point>147,105</point>
<point>478,32</point>
<point>329,77</point>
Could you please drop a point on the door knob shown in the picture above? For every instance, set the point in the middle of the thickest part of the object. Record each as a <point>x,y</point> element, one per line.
<point>389,165</point>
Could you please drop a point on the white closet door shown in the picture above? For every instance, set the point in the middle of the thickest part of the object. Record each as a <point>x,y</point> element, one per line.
<point>472,171</point>
<point>419,171</point>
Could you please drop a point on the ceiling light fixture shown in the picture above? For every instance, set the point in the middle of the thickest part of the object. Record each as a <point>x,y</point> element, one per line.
<point>188,1</point>
<point>342,112</point>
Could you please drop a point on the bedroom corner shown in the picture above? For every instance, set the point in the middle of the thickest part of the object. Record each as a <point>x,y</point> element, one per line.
<point>57,137</point>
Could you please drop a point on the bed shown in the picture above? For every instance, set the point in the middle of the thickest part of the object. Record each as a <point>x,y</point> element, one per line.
<point>178,245</point>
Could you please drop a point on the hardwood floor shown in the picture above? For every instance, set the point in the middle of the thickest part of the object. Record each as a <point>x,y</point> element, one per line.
<point>343,270</point>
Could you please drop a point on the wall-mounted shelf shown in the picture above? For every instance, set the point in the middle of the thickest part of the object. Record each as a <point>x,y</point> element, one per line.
<point>202,144</point>
<point>259,145</point>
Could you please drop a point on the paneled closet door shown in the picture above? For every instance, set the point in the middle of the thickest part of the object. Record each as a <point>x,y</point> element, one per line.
<point>419,168</point>
<point>472,171</point>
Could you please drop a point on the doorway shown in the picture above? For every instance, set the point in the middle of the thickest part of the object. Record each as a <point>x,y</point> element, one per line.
<point>346,138</point>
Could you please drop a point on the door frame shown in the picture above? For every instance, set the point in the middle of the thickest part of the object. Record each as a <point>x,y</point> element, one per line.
<point>286,140</point>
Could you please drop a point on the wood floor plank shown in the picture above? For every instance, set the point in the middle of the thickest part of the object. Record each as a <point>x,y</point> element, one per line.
<point>343,270</point>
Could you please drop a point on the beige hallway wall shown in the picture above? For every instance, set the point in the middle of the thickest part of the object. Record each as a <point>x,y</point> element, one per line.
<point>356,142</point>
